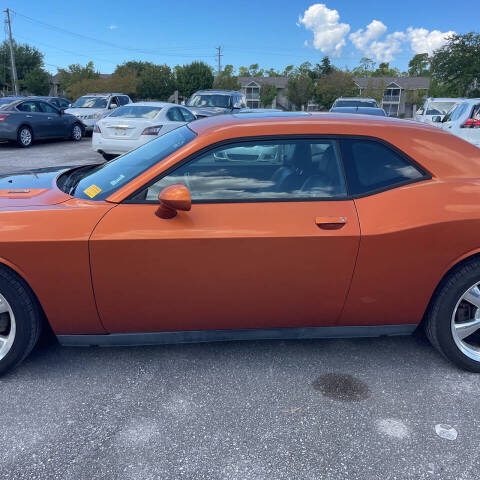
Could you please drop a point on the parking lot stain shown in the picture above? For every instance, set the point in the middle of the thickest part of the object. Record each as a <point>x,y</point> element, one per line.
<point>342,387</point>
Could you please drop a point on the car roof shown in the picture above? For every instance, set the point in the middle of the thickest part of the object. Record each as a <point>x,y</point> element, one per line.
<point>225,92</point>
<point>103,94</point>
<point>365,110</point>
<point>445,99</point>
<point>152,104</point>
<point>359,99</point>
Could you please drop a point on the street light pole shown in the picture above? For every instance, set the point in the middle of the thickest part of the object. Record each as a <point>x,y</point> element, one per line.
<point>12,54</point>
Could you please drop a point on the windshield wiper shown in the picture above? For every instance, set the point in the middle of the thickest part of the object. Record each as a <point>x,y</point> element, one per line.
<point>74,177</point>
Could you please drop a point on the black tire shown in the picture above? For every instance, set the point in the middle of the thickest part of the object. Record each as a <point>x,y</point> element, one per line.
<point>27,317</point>
<point>76,133</point>
<point>24,136</point>
<point>438,321</point>
<point>108,156</point>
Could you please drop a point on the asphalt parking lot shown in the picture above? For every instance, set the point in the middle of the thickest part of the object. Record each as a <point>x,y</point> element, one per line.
<point>47,154</point>
<point>332,409</point>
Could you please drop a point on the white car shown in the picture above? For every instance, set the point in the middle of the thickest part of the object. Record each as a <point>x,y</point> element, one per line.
<point>134,124</point>
<point>93,106</point>
<point>463,120</point>
<point>434,107</point>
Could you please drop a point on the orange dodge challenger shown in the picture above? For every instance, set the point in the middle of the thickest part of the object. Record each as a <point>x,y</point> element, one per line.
<point>249,226</point>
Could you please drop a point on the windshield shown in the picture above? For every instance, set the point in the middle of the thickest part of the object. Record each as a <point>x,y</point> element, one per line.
<point>439,108</point>
<point>136,111</point>
<point>103,180</point>
<point>90,102</point>
<point>209,100</point>
<point>355,103</point>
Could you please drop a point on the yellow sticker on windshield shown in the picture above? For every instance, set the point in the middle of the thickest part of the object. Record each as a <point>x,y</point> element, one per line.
<point>92,190</point>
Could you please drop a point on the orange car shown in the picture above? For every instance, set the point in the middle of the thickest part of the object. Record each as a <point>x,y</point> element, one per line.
<point>250,226</point>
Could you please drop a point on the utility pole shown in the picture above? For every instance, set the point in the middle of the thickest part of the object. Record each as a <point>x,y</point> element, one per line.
<point>219,55</point>
<point>12,55</point>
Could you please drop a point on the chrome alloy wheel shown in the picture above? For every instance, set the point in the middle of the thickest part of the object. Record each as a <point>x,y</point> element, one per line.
<point>466,323</point>
<point>26,136</point>
<point>77,132</point>
<point>7,327</point>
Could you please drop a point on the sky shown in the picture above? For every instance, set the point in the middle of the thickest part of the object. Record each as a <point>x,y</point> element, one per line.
<point>271,33</point>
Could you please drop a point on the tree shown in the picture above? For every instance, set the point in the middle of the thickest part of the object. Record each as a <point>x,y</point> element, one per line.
<point>325,67</point>
<point>156,81</point>
<point>37,82</point>
<point>192,77</point>
<point>456,66</point>
<point>335,84</point>
<point>27,58</point>
<point>419,65</point>
<point>76,73</point>
<point>268,93</point>
<point>137,66</point>
<point>365,68</point>
<point>375,90</point>
<point>252,71</point>
<point>299,89</point>
<point>289,69</point>
<point>227,80</point>
<point>384,70</point>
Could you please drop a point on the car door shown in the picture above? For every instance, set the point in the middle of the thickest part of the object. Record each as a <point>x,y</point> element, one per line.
<point>33,115</point>
<point>270,241</point>
<point>57,124</point>
<point>175,119</point>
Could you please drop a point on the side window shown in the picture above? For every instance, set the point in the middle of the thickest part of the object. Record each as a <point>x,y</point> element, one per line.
<point>174,115</point>
<point>63,103</point>
<point>459,111</point>
<point>55,101</point>
<point>187,116</point>
<point>123,99</point>
<point>270,170</point>
<point>29,107</point>
<point>46,108</point>
<point>371,165</point>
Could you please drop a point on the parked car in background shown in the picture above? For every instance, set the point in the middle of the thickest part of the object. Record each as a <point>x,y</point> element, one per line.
<point>93,106</point>
<point>206,103</point>
<point>434,107</point>
<point>27,120</point>
<point>252,226</point>
<point>463,120</point>
<point>355,102</point>
<point>380,112</point>
<point>8,99</point>
<point>134,124</point>
<point>59,102</point>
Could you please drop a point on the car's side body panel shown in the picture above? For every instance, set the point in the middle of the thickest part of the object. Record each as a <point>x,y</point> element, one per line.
<point>223,266</point>
<point>48,247</point>
<point>410,237</point>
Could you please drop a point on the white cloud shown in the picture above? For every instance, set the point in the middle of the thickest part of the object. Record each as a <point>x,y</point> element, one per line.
<point>112,27</point>
<point>423,41</point>
<point>328,33</point>
<point>369,43</point>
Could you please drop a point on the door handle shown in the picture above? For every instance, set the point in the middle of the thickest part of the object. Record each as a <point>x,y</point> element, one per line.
<point>330,223</point>
<point>29,116</point>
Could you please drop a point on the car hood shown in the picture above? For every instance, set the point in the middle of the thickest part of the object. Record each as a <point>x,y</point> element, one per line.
<point>84,111</point>
<point>32,188</point>
<point>208,111</point>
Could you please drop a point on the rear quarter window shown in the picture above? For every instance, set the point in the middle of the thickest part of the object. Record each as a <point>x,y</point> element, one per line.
<point>371,166</point>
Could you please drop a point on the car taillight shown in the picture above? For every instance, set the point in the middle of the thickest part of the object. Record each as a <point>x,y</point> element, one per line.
<point>96,129</point>
<point>3,117</point>
<point>471,123</point>
<point>152,130</point>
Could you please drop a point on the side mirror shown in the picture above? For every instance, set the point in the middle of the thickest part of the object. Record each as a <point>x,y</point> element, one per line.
<point>173,198</point>
<point>436,119</point>
<point>113,105</point>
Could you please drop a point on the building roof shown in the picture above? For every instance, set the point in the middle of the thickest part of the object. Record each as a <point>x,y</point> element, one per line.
<point>279,82</point>
<point>407,83</point>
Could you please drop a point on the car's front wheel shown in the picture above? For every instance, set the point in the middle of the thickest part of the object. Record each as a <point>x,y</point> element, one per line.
<point>77,133</point>
<point>24,136</point>
<point>453,319</point>
<point>108,156</point>
<point>20,320</point>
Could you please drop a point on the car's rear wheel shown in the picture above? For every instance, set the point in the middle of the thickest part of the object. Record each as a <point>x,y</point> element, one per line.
<point>77,132</point>
<point>20,320</point>
<point>24,136</point>
<point>453,319</point>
